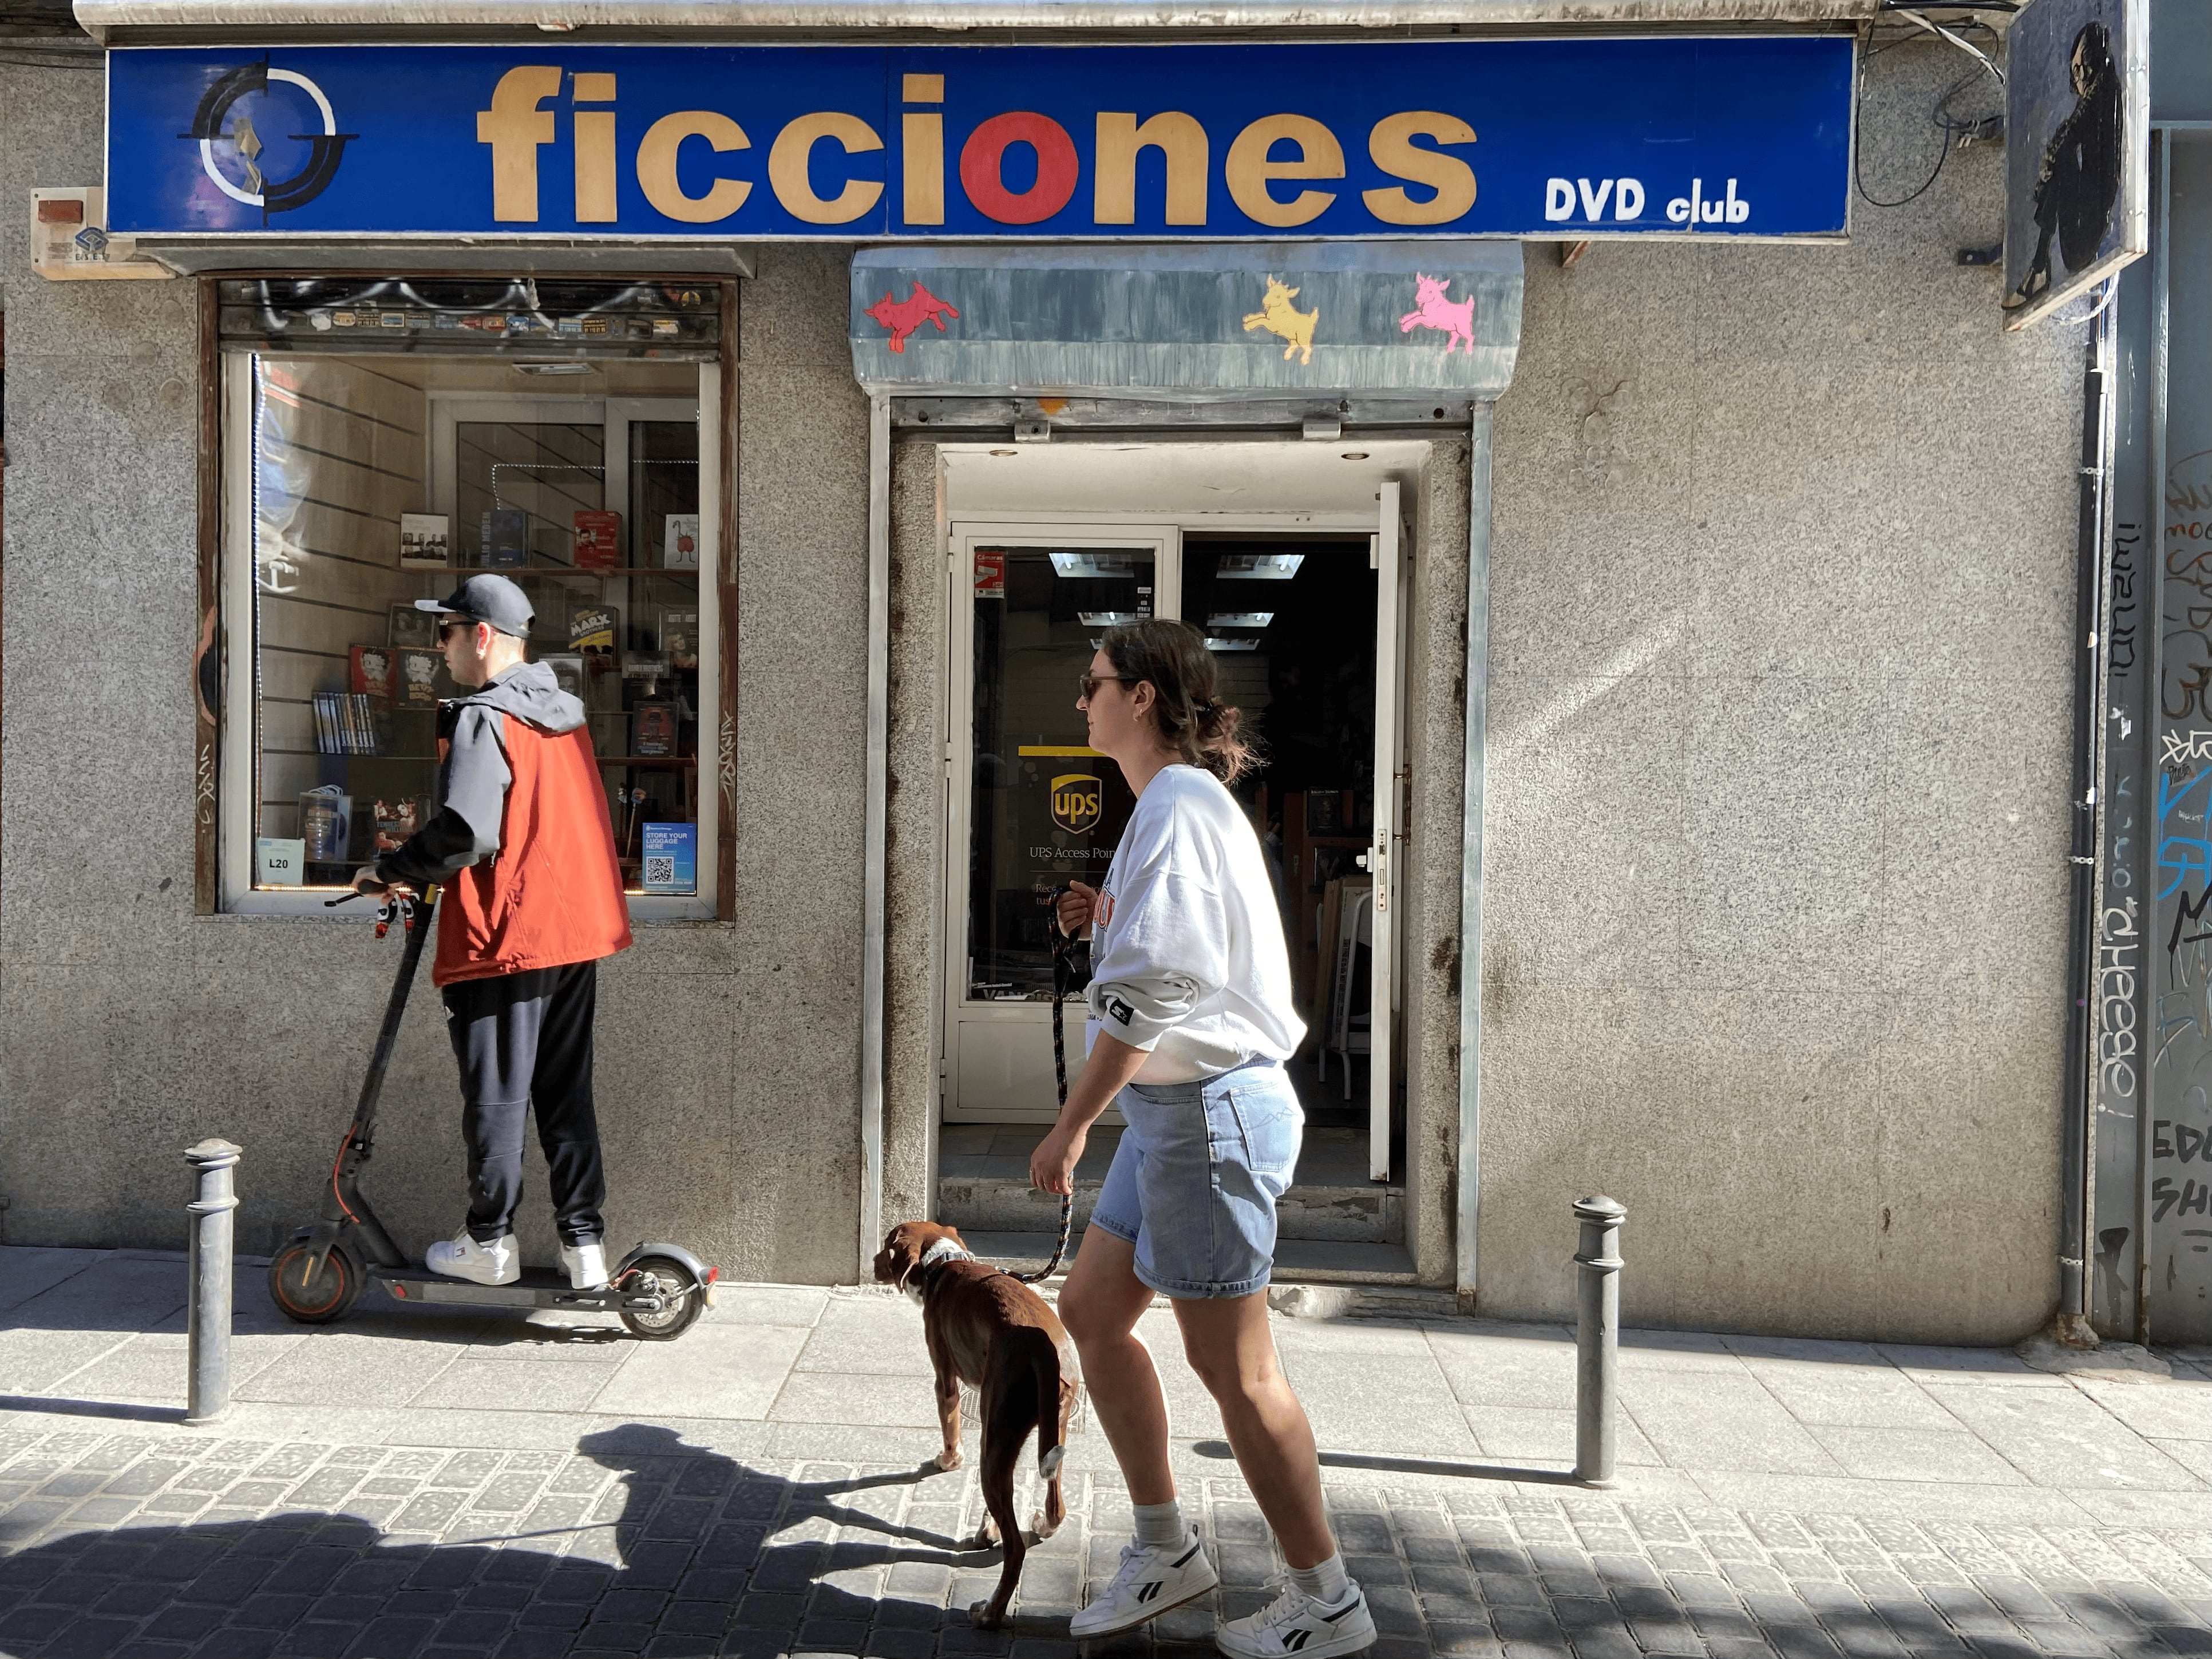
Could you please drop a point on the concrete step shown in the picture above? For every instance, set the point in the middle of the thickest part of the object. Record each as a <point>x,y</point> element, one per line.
<point>1364,1214</point>
<point>1298,1262</point>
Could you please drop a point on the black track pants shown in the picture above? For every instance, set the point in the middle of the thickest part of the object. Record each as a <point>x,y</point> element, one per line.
<point>526,1038</point>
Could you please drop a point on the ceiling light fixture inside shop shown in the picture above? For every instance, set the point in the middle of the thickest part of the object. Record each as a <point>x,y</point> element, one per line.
<point>1256,567</point>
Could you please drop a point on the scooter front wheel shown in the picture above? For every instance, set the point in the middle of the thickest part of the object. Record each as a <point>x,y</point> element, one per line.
<point>314,1297</point>
<point>682,1298</point>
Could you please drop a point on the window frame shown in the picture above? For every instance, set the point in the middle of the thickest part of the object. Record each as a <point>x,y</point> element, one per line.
<point>228,769</point>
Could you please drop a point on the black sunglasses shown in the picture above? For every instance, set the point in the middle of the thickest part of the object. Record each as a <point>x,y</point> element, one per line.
<point>1089,684</point>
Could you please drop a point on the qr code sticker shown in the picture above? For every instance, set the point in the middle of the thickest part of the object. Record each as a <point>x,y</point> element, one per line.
<point>661,871</point>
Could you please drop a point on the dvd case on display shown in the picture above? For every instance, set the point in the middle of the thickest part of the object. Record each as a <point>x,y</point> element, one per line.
<point>679,546</point>
<point>506,538</point>
<point>679,637</point>
<point>372,667</point>
<point>410,627</point>
<point>593,633</point>
<point>567,668</point>
<point>653,729</point>
<point>416,682</point>
<point>424,544</point>
<point>597,538</point>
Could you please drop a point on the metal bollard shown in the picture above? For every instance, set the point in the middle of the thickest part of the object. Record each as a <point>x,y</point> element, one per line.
<point>208,1320</point>
<point>1597,1337</point>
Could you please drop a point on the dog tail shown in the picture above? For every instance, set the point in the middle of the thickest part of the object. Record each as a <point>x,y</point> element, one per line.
<point>1051,1449</point>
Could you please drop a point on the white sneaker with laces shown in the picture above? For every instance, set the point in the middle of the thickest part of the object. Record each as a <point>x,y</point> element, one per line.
<point>461,1257</point>
<point>586,1265</point>
<point>1294,1623</point>
<point>1152,1579</point>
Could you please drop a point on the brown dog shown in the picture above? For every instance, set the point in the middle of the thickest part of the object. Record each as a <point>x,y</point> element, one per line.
<point>994,1333</point>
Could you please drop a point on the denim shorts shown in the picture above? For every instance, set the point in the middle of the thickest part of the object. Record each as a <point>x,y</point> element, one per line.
<point>1194,1181</point>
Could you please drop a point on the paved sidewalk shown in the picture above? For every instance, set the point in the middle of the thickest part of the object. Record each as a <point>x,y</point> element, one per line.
<point>436,1482</point>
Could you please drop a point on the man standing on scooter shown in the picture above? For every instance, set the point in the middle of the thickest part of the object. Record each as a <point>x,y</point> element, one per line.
<point>525,851</point>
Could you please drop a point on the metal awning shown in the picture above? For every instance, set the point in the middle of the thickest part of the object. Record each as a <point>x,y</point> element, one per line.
<point>1190,322</point>
<point>235,17</point>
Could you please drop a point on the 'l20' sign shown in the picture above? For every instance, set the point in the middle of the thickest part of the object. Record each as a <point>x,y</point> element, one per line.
<point>1742,136</point>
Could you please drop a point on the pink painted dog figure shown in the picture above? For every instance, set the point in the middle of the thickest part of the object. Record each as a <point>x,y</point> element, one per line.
<point>1431,309</point>
<point>904,316</point>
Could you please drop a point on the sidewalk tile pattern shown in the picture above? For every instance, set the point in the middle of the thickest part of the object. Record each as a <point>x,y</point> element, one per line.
<point>113,1544</point>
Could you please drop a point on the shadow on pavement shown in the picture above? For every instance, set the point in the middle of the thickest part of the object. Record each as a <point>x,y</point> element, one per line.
<point>1334,1460</point>
<point>686,1556</point>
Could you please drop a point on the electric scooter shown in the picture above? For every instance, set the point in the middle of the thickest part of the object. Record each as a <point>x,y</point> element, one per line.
<point>658,1290</point>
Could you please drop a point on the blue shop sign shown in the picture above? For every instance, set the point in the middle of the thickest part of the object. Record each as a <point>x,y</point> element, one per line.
<point>1734,135</point>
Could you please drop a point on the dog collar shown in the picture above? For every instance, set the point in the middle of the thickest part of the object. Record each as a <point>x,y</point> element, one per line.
<point>944,1250</point>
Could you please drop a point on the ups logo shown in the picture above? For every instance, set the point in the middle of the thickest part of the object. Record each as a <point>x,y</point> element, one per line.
<point>1075,802</point>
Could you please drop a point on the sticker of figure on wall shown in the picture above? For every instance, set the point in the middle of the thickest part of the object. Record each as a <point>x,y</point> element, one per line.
<point>2077,157</point>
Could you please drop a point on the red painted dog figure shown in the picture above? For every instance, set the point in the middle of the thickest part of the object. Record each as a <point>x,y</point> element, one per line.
<point>904,316</point>
<point>1454,318</point>
<point>997,1335</point>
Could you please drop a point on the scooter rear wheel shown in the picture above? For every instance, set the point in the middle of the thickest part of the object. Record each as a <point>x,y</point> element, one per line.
<point>684,1298</point>
<point>326,1296</point>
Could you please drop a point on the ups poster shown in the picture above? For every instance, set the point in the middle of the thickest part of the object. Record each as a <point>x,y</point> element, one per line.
<point>1073,809</point>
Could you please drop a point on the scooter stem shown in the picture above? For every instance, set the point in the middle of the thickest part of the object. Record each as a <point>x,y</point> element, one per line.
<point>371,1083</point>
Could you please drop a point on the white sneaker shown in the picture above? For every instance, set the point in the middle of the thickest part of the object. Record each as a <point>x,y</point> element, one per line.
<point>586,1265</point>
<point>1294,1623</point>
<point>461,1257</point>
<point>1152,1579</point>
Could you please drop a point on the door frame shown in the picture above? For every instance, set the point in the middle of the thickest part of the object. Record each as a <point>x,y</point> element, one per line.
<point>962,536</point>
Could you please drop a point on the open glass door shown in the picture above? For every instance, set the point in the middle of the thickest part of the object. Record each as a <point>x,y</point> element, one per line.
<point>1307,629</point>
<point>1040,808</point>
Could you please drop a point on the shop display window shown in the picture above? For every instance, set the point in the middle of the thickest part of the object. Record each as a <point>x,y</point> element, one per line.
<point>383,441</point>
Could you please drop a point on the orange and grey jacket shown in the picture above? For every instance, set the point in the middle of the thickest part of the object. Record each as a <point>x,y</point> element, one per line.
<point>522,842</point>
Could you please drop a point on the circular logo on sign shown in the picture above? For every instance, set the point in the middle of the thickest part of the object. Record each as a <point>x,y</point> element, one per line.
<point>233,149</point>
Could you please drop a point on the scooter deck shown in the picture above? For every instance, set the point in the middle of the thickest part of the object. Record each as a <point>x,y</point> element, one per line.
<point>537,1287</point>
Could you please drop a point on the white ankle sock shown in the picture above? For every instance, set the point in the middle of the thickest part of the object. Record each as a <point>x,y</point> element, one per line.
<point>1326,1583</point>
<point>1159,1523</point>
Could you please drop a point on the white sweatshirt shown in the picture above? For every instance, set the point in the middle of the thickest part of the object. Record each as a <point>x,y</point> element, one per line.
<point>1187,950</point>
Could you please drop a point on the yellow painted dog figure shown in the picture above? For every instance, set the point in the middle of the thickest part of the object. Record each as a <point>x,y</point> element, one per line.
<point>994,1333</point>
<point>1277,316</point>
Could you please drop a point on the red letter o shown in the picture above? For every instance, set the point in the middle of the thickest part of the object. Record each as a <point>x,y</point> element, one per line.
<point>983,160</point>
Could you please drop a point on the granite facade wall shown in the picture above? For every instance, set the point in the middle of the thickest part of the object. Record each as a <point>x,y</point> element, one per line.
<point>1781,608</point>
<point>1781,599</point>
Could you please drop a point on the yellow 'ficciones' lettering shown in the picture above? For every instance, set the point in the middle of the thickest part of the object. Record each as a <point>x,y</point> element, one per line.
<point>596,201</point>
<point>787,167</point>
<point>1181,144</point>
<point>656,166</point>
<point>922,202</point>
<point>1391,145</point>
<point>514,127</point>
<point>922,141</point>
<point>1249,170</point>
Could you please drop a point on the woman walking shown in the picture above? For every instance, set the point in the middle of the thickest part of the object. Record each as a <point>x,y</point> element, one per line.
<point>1190,1022</point>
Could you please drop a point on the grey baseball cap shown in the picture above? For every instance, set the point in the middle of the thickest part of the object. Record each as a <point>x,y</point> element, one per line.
<point>491,600</point>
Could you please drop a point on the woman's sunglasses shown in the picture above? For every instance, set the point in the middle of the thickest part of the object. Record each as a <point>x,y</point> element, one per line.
<point>1089,684</point>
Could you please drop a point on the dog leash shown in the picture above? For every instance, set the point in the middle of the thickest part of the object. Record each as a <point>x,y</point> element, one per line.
<point>1064,974</point>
